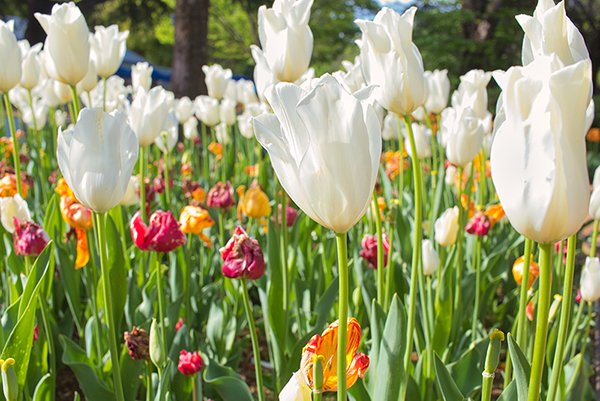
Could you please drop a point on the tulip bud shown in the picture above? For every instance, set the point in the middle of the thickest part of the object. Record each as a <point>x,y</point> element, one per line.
<point>190,128</point>
<point>492,357</point>
<point>242,257</point>
<point>148,113</point>
<point>438,89</point>
<point>158,356</point>
<point>590,280</point>
<point>462,134</point>
<point>184,108</point>
<point>422,136</point>
<point>108,49</point>
<point>12,207</point>
<point>431,260</point>
<point>228,112</point>
<point>207,110</point>
<point>10,73</point>
<point>318,374</point>
<point>190,363</point>
<point>138,343</point>
<point>594,208</point>
<point>446,227</point>
<point>216,79</point>
<point>10,385</point>
<point>255,203</point>
<point>31,66</point>
<point>141,76</point>
<point>554,308</point>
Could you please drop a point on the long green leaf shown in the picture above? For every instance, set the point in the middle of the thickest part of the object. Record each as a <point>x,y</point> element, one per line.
<point>521,368</point>
<point>448,387</point>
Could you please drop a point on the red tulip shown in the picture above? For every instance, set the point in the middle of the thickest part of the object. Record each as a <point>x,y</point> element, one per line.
<point>220,196</point>
<point>369,249</point>
<point>479,225</point>
<point>190,363</point>
<point>242,257</point>
<point>162,234</point>
<point>29,238</point>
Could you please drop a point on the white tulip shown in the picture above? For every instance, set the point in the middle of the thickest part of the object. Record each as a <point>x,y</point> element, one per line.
<point>207,110</point>
<point>108,49</point>
<point>96,157</point>
<point>594,208</point>
<point>391,126</point>
<point>148,113</point>
<point>431,260</point>
<point>325,146</point>
<point>67,43</point>
<point>190,128</point>
<point>422,137</point>
<point>10,68</point>
<point>438,90</point>
<point>30,66</point>
<point>391,62</point>
<point>353,77</point>
<point>296,389</point>
<point>450,177</point>
<point>49,94</point>
<point>222,134</point>
<point>245,125</point>
<point>167,139</point>
<point>462,134</point>
<point>60,117</point>
<point>472,93</point>
<point>246,93</point>
<point>90,80</point>
<point>538,158</point>
<point>285,38</point>
<point>216,78</point>
<point>231,91</point>
<point>227,112</point>
<point>62,92</point>
<point>132,194</point>
<point>11,207</point>
<point>590,280</point>
<point>39,112</point>
<point>141,76</point>
<point>263,75</point>
<point>184,108</point>
<point>446,227</point>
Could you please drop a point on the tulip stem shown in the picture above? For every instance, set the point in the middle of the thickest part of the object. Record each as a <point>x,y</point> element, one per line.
<point>541,329</point>
<point>142,168</point>
<point>342,253</point>
<point>149,395</point>
<point>108,305</point>
<point>416,254</point>
<point>76,105</point>
<point>522,315</point>
<point>204,145</point>
<point>400,166</point>
<point>594,244</point>
<point>565,317</point>
<point>15,143</point>
<point>389,271</point>
<point>167,182</point>
<point>458,262</point>
<point>161,307</point>
<point>380,254</point>
<point>254,338</point>
<point>477,287</point>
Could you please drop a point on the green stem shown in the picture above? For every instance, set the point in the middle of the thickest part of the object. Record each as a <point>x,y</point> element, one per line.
<point>204,145</point>
<point>389,271</point>
<point>594,243</point>
<point>76,105</point>
<point>416,254</point>
<point>15,141</point>
<point>149,391</point>
<point>434,155</point>
<point>522,315</point>
<point>167,181</point>
<point>565,317</point>
<point>458,263</point>
<point>142,169</point>
<point>574,329</point>
<point>380,254</point>
<point>161,308</point>
<point>400,166</point>
<point>342,252</point>
<point>477,287</point>
<point>254,338</point>
<point>108,305</point>
<point>541,329</point>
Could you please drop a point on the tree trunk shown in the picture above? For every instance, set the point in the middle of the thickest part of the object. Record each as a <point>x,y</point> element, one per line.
<point>191,48</point>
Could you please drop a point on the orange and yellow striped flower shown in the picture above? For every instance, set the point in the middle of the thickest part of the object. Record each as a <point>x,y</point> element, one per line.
<point>325,345</point>
<point>194,220</point>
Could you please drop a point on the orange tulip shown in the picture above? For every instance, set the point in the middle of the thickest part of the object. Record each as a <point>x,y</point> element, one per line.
<point>199,194</point>
<point>326,346</point>
<point>593,135</point>
<point>252,170</point>
<point>254,203</point>
<point>75,214</point>
<point>8,186</point>
<point>495,213</point>
<point>216,149</point>
<point>517,271</point>
<point>83,251</point>
<point>194,220</point>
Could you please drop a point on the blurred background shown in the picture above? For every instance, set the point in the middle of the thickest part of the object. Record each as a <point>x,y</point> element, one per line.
<point>179,36</point>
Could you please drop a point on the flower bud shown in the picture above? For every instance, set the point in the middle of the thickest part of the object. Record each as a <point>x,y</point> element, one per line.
<point>158,356</point>
<point>517,271</point>
<point>138,343</point>
<point>242,257</point>
<point>554,308</point>
<point>590,280</point>
<point>446,227</point>
<point>190,363</point>
<point>493,352</point>
<point>318,374</point>
<point>431,260</point>
<point>10,385</point>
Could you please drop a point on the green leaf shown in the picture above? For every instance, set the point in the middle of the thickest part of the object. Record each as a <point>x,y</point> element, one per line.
<point>521,368</point>
<point>18,343</point>
<point>358,392</point>
<point>93,388</point>
<point>578,383</point>
<point>385,385</point>
<point>448,387</point>
<point>226,383</point>
<point>509,393</point>
<point>43,390</point>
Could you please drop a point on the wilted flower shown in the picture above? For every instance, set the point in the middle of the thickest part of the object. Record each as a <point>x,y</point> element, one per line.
<point>369,250</point>
<point>29,239</point>
<point>291,215</point>
<point>479,224</point>
<point>193,220</point>
<point>325,345</point>
<point>190,363</point>
<point>242,257</point>
<point>220,196</point>
<point>137,343</point>
<point>8,186</point>
<point>162,234</point>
